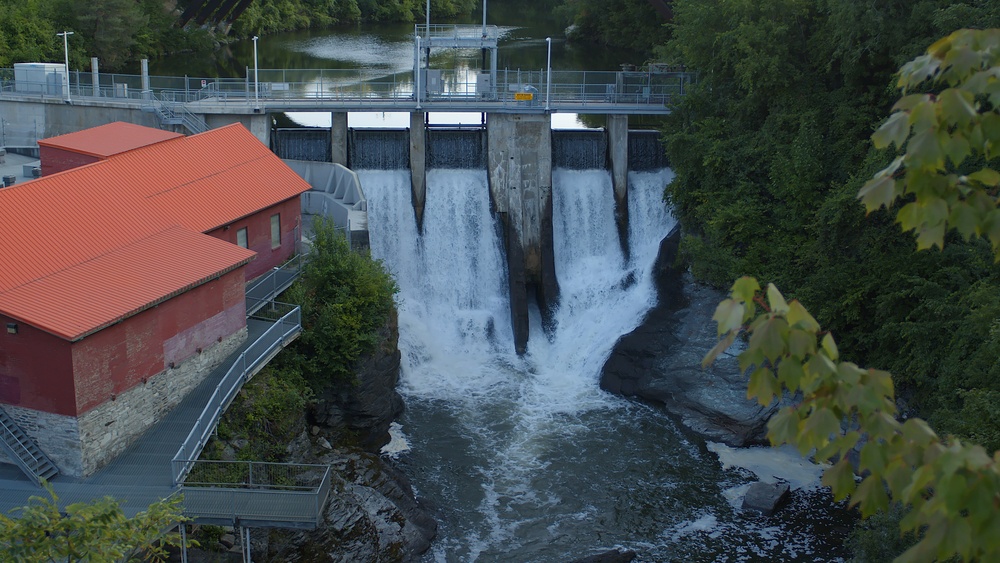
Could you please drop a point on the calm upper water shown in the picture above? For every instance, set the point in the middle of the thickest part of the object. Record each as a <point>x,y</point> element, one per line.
<point>525,458</point>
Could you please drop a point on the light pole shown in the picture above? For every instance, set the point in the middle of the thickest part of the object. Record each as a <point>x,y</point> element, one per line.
<point>548,76</point>
<point>256,84</point>
<point>65,35</point>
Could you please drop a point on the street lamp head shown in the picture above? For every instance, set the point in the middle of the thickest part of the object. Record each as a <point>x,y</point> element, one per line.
<point>255,38</point>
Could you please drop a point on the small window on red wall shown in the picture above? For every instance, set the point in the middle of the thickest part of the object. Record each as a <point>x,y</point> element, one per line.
<point>241,237</point>
<point>275,231</point>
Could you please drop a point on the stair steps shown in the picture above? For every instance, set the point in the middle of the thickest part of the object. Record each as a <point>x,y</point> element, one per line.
<point>24,452</point>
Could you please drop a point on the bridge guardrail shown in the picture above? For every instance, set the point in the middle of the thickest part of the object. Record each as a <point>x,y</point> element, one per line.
<point>507,88</point>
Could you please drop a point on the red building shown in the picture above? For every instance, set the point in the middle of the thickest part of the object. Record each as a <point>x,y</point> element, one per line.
<point>123,277</point>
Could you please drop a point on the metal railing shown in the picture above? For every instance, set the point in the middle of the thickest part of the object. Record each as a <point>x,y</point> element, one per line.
<point>245,366</point>
<point>362,87</point>
<point>267,287</point>
<point>251,491</point>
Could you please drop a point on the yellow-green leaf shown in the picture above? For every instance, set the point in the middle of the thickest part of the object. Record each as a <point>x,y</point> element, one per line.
<point>776,300</point>
<point>986,176</point>
<point>769,338</point>
<point>763,386</point>
<point>799,317</point>
<point>870,495</point>
<point>720,347</point>
<point>790,373</point>
<point>840,478</point>
<point>830,347</point>
<point>957,106</point>
<point>878,192</point>
<point>895,130</point>
<point>729,316</point>
<point>745,288</point>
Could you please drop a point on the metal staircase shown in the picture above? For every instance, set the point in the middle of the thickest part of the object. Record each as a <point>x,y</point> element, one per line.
<point>23,451</point>
<point>173,113</point>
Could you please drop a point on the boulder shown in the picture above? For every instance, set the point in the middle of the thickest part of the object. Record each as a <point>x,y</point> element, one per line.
<point>765,498</point>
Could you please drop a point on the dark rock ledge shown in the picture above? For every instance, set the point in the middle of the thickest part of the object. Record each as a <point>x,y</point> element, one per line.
<point>660,361</point>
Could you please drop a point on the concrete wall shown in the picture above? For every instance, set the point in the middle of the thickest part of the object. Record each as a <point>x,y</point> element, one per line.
<point>520,175</point>
<point>258,124</point>
<point>125,355</point>
<point>51,117</point>
<point>258,228</point>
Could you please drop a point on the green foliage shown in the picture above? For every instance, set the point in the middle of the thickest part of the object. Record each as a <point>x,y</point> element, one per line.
<point>95,532</point>
<point>346,299</point>
<point>622,23</point>
<point>268,413</point>
<point>950,490</point>
<point>878,538</point>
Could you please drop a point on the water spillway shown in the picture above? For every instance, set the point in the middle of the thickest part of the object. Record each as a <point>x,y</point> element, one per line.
<point>525,458</point>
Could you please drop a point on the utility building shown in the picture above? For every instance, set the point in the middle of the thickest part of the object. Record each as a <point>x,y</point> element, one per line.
<point>123,275</point>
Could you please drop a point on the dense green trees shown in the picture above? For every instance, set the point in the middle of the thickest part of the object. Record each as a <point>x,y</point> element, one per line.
<point>770,151</point>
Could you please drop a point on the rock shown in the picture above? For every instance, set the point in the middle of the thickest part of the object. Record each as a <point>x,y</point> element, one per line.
<point>612,556</point>
<point>325,444</point>
<point>660,361</point>
<point>367,408</point>
<point>314,430</point>
<point>228,540</point>
<point>765,498</point>
<point>372,515</point>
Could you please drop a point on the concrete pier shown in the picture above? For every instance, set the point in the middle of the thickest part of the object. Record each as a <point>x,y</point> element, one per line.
<point>520,177</point>
<point>418,166</point>
<point>338,138</point>
<point>618,157</point>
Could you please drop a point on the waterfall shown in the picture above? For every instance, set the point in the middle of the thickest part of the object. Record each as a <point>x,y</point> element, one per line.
<point>302,143</point>
<point>378,149</point>
<point>579,150</point>
<point>456,148</point>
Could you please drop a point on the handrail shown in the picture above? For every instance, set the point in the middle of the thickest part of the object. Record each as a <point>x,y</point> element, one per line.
<point>240,372</point>
<point>17,459</point>
<point>293,266</point>
<point>260,502</point>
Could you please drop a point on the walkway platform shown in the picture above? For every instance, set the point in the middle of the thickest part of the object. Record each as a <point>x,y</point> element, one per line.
<point>142,474</point>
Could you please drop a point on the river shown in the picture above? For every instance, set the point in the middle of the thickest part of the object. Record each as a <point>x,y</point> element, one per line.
<point>524,458</point>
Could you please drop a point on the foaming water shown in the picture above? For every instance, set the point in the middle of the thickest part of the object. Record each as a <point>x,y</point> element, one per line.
<point>525,457</point>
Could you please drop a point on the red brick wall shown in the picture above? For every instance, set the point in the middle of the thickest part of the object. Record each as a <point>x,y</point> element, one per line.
<point>56,160</point>
<point>121,356</point>
<point>258,228</point>
<point>36,369</point>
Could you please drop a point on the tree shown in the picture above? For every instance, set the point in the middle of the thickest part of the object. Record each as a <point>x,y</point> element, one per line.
<point>96,532</point>
<point>950,138</point>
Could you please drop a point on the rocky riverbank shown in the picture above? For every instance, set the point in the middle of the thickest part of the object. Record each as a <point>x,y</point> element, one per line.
<point>660,361</point>
<point>372,513</point>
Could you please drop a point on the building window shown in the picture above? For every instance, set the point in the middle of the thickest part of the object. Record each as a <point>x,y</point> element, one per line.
<point>241,237</point>
<point>275,231</point>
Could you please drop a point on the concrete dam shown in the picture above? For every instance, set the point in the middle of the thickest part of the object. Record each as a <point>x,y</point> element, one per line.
<point>518,152</point>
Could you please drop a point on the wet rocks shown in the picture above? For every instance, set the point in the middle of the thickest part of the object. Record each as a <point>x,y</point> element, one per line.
<point>765,498</point>
<point>660,361</point>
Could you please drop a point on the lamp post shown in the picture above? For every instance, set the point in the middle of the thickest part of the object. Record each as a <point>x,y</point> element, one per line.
<point>256,84</point>
<point>65,35</point>
<point>548,76</point>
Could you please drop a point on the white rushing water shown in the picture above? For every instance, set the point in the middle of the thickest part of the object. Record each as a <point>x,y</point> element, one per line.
<point>526,458</point>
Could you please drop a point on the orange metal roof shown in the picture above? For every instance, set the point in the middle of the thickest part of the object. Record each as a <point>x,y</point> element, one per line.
<point>87,297</point>
<point>108,140</point>
<point>211,179</point>
<point>67,239</point>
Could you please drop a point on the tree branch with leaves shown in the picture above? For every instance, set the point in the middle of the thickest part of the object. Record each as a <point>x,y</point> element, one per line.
<point>949,140</point>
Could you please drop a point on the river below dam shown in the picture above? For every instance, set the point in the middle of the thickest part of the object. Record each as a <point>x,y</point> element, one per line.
<point>525,458</point>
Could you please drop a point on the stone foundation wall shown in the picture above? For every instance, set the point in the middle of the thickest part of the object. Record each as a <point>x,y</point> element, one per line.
<point>108,429</point>
<point>80,446</point>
